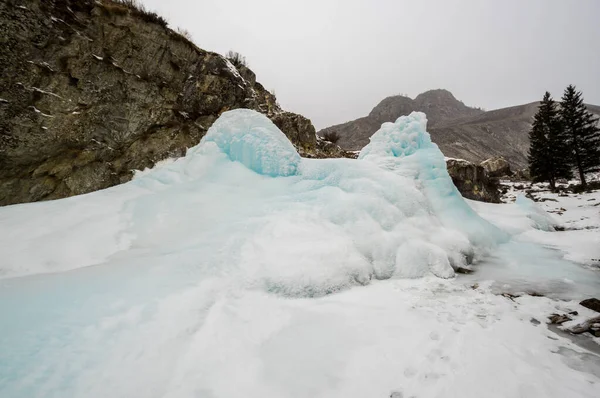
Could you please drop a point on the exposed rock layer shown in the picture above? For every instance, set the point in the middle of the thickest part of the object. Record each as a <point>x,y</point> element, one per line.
<point>472,181</point>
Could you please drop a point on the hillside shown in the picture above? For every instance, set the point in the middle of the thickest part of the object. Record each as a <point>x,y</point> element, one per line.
<point>439,105</point>
<point>92,90</point>
<point>460,132</point>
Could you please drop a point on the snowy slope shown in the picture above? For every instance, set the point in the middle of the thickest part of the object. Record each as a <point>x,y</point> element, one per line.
<point>211,276</point>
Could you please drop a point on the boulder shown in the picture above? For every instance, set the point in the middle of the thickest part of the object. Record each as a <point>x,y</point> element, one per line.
<point>472,181</point>
<point>592,304</point>
<point>558,319</point>
<point>496,167</point>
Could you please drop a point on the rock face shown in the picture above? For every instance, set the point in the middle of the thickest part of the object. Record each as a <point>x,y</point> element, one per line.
<point>91,90</point>
<point>472,181</point>
<point>496,167</point>
<point>459,131</point>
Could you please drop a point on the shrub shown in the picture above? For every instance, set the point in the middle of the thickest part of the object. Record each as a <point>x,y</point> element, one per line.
<point>185,33</point>
<point>236,59</point>
<point>136,8</point>
<point>332,136</point>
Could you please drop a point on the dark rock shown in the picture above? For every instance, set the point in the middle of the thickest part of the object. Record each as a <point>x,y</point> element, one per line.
<point>557,319</point>
<point>535,294</point>
<point>462,270</point>
<point>510,296</point>
<point>472,181</point>
<point>573,313</point>
<point>298,129</point>
<point>92,91</point>
<point>592,304</point>
<point>534,321</point>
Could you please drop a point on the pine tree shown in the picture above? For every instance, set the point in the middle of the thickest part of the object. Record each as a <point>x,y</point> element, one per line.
<point>583,133</point>
<point>548,161</point>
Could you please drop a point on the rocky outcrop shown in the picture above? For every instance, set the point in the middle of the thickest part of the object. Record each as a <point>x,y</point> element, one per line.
<point>92,90</point>
<point>496,167</point>
<point>472,181</point>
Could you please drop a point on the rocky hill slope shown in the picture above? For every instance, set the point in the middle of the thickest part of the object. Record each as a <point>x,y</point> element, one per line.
<point>461,132</point>
<point>439,105</point>
<point>92,90</point>
<point>502,132</point>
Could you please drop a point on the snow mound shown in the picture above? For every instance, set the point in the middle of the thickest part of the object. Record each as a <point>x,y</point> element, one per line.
<point>540,219</point>
<point>320,226</point>
<point>405,148</point>
<point>253,140</point>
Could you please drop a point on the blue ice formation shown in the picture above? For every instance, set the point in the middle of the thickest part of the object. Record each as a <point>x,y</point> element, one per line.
<point>255,142</point>
<point>319,226</point>
<point>405,147</point>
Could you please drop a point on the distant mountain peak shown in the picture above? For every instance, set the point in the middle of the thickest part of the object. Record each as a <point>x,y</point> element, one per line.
<point>438,95</point>
<point>440,106</point>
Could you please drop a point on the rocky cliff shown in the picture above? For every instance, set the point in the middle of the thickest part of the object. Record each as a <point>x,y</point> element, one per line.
<point>92,90</point>
<point>459,131</point>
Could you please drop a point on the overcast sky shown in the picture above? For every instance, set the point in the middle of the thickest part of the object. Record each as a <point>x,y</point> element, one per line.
<point>334,60</point>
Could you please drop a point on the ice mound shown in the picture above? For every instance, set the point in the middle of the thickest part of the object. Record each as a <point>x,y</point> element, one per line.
<point>255,142</point>
<point>320,226</point>
<point>539,218</point>
<point>405,148</point>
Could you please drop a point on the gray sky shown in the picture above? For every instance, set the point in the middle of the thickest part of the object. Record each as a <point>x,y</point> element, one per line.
<point>334,60</point>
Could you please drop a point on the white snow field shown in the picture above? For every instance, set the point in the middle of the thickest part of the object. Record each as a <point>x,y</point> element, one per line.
<point>243,270</point>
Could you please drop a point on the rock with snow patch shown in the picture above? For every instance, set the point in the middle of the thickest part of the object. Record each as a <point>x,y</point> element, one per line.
<point>591,303</point>
<point>496,167</point>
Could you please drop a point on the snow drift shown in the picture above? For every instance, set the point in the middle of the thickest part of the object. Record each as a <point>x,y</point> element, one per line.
<point>244,205</point>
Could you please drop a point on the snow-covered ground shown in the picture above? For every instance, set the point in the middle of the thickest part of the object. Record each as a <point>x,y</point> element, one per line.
<point>242,270</point>
<point>577,213</point>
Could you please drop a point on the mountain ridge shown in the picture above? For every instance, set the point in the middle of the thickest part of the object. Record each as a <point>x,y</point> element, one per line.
<point>460,131</point>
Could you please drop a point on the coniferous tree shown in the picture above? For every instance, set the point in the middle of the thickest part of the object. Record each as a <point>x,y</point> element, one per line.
<point>548,160</point>
<point>582,132</point>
